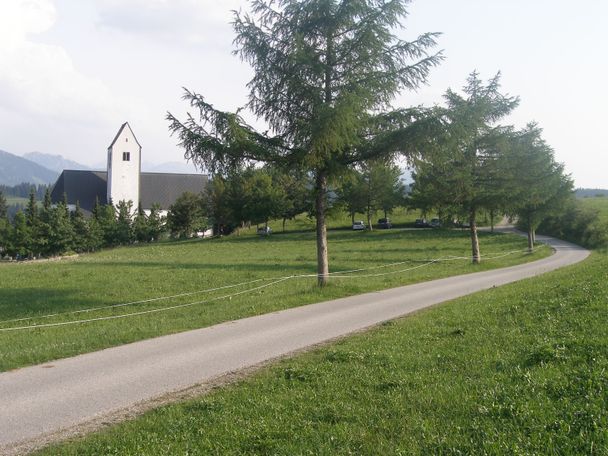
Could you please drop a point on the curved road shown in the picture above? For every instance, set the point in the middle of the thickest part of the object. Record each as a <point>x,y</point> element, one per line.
<point>39,403</point>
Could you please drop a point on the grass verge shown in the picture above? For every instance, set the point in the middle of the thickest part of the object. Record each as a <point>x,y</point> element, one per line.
<point>521,369</point>
<point>68,289</point>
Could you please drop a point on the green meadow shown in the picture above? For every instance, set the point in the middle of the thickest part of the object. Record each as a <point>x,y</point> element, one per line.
<point>598,203</point>
<point>520,369</point>
<point>211,281</point>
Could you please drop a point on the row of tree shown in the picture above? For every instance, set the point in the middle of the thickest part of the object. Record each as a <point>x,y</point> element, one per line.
<point>24,189</point>
<point>253,196</point>
<point>51,229</point>
<point>471,164</point>
<point>370,188</point>
<point>241,198</point>
<point>324,75</point>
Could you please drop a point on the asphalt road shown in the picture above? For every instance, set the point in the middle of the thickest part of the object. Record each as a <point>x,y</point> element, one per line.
<point>40,402</point>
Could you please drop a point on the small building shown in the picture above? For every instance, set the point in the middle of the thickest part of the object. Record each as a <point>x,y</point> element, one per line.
<point>124,181</point>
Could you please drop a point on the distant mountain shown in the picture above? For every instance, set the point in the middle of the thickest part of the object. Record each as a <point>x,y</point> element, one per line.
<point>590,192</point>
<point>54,162</point>
<point>170,167</point>
<point>15,170</point>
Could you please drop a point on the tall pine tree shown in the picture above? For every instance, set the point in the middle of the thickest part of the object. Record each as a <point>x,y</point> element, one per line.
<point>325,72</point>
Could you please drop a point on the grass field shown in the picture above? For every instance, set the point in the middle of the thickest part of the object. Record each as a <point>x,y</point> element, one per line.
<point>521,369</point>
<point>10,200</point>
<point>598,203</point>
<point>68,289</point>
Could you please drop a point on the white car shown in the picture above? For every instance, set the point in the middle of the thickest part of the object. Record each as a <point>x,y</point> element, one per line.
<point>357,226</point>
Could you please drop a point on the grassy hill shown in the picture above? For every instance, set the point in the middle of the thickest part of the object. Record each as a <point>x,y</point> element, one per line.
<point>125,281</point>
<point>598,203</point>
<point>521,369</point>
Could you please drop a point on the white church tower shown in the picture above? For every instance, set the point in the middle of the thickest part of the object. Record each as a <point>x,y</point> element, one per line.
<point>124,166</point>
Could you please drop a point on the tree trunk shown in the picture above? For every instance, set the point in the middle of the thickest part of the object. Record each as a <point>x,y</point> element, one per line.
<point>322,261</point>
<point>474,239</point>
<point>352,218</point>
<point>492,221</point>
<point>530,240</point>
<point>284,224</point>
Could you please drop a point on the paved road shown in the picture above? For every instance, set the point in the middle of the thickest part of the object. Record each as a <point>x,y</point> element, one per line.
<point>40,401</point>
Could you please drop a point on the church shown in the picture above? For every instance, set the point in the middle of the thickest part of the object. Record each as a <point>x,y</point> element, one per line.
<point>124,181</point>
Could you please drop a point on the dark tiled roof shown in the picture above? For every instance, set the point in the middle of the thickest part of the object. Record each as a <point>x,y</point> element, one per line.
<point>82,186</point>
<point>165,188</point>
<point>161,188</point>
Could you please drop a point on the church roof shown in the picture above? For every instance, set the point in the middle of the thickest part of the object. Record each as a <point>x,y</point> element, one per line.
<point>161,188</point>
<point>81,186</point>
<point>165,188</point>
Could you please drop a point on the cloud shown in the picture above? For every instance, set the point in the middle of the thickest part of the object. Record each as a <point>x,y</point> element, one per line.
<point>41,79</point>
<point>193,22</point>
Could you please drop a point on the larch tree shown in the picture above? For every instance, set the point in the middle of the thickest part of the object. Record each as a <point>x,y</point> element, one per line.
<point>325,72</point>
<point>539,187</point>
<point>458,171</point>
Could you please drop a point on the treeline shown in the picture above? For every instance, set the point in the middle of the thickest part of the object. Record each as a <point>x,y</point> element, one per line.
<point>47,230</point>
<point>253,196</point>
<point>24,189</point>
<point>472,165</point>
<point>240,198</point>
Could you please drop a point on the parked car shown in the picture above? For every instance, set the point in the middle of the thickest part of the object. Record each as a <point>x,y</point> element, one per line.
<point>264,230</point>
<point>421,223</point>
<point>435,223</point>
<point>357,226</point>
<point>384,223</point>
<point>460,224</point>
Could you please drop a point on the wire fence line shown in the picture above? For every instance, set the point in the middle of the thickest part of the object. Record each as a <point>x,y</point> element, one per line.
<point>346,274</point>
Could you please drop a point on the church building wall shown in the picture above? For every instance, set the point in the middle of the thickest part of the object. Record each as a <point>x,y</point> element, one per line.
<point>124,165</point>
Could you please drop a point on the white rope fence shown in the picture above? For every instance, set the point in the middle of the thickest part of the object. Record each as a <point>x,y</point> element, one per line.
<point>271,281</point>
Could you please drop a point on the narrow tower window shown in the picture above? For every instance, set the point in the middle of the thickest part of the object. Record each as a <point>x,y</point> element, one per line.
<point>126,156</point>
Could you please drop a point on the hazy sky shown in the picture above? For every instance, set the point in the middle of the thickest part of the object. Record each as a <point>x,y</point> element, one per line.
<point>72,71</point>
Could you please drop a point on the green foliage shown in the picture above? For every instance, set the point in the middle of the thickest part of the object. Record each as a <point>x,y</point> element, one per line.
<point>324,73</point>
<point>371,187</point>
<point>31,211</point>
<point>5,237</point>
<point>261,199</point>
<point>457,176</point>
<point>141,229</point>
<point>185,216</point>
<point>94,239</point>
<point>294,185</point>
<point>579,222</point>
<point>105,217</point>
<point>3,207</point>
<point>20,241</point>
<point>156,223</point>
<point>60,238</point>
<point>82,231</point>
<point>538,186</point>
<point>123,231</point>
<point>519,369</point>
<point>352,193</point>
